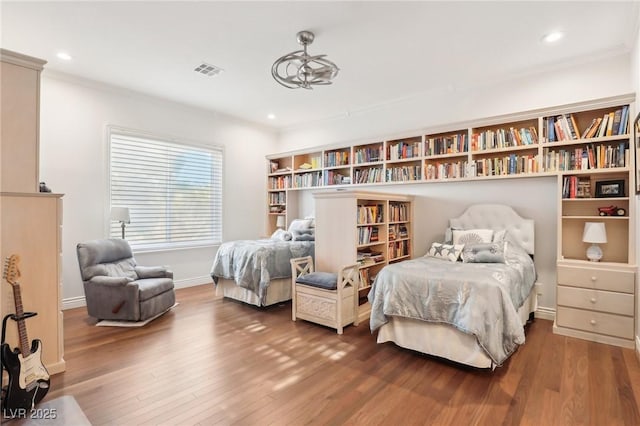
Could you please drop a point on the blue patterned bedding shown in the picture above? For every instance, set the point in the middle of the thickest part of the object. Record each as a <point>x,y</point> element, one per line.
<point>481,299</point>
<point>252,264</point>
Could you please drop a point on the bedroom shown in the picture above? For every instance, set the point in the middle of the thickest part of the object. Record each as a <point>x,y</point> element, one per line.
<point>75,109</point>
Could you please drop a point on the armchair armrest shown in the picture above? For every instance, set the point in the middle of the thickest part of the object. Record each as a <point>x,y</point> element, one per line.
<point>110,281</point>
<point>153,272</point>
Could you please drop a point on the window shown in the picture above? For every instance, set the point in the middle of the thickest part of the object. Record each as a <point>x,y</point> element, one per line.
<point>173,191</point>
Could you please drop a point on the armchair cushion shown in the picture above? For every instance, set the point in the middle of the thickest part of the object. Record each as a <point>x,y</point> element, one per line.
<point>151,272</point>
<point>110,281</point>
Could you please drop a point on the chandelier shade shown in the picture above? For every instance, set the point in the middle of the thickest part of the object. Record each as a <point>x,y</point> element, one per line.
<point>300,70</point>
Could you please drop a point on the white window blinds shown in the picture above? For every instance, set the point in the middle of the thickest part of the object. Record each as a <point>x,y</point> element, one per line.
<point>173,191</point>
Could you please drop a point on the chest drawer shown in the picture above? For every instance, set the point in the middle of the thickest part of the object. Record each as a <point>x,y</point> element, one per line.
<point>597,300</point>
<point>596,278</point>
<point>595,322</point>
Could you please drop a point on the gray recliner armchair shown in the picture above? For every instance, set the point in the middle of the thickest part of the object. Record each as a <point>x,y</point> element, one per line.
<point>116,288</point>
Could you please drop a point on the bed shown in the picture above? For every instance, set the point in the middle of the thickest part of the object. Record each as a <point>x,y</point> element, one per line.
<point>258,272</point>
<point>470,312</point>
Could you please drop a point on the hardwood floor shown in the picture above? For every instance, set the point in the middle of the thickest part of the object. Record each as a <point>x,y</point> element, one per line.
<point>214,361</point>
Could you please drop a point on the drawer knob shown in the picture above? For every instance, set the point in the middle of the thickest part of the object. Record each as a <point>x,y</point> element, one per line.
<point>593,322</point>
<point>593,278</point>
<point>593,300</point>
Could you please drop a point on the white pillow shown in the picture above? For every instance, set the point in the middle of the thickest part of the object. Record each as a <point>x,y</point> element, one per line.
<point>299,225</point>
<point>472,236</point>
<point>449,252</point>
<point>281,235</point>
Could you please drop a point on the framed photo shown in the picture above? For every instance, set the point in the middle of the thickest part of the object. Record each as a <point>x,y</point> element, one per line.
<point>636,138</point>
<point>610,188</point>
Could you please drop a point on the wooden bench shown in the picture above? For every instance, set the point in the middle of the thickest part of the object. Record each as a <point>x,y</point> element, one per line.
<point>324,298</point>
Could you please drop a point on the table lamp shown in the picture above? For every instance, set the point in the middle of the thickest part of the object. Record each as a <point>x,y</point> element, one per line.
<point>121,214</point>
<point>280,222</point>
<point>594,233</point>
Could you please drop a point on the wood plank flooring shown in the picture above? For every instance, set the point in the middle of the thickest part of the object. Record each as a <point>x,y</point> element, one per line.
<point>214,361</point>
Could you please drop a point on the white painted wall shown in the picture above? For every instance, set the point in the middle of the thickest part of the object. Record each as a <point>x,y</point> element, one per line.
<point>73,159</point>
<point>436,202</point>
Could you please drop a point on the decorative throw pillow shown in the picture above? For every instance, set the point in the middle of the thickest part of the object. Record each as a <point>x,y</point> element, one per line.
<point>499,236</point>
<point>483,253</point>
<point>304,235</point>
<point>449,252</point>
<point>299,225</point>
<point>472,236</point>
<point>281,235</point>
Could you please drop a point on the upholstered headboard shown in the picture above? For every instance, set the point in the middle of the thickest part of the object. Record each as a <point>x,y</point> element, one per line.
<point>497,217</point>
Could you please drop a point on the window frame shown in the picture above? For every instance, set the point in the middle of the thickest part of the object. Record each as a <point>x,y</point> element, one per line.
<point>166,246</point>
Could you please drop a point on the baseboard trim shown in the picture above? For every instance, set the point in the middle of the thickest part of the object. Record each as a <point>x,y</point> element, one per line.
<point>79,301</point>
<point>545,313</point>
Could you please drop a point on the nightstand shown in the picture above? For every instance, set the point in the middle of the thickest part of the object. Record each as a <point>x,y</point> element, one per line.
<point>596,301</point>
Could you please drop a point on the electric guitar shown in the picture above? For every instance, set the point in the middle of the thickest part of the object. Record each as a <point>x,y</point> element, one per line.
<point>28,378</point>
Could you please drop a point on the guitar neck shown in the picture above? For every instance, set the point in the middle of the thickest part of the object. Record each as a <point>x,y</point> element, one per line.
<point>22,329</point>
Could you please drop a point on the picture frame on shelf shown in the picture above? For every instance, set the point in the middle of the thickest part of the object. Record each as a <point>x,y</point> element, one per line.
<point>610,188</point>
<point>636,139</point>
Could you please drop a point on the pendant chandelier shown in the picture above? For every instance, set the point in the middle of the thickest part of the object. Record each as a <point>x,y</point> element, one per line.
<point>300,70</point>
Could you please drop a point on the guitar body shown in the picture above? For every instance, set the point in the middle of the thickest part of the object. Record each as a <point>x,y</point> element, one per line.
<point>28,378</point>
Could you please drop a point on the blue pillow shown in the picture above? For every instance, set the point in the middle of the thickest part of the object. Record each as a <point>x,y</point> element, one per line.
<point>324,280</point>
<point>483,253</point>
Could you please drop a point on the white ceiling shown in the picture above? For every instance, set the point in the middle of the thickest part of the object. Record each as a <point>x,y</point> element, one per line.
<point>386,51</point>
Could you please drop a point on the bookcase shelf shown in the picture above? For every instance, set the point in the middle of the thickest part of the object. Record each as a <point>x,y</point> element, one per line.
<point>345,219</point>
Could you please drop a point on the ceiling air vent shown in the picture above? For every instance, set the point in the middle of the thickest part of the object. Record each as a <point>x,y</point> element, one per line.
<point>208,69</point>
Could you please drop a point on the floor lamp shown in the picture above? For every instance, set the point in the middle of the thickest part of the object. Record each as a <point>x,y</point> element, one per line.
<point>121,214</point>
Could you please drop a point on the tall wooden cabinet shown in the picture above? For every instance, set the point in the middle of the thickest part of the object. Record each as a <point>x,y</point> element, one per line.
<point>30,221</point>
<point>32,228</point>
<point>20,93</point>
<point>369,228</point>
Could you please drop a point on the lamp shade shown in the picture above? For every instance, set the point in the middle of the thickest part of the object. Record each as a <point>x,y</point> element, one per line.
<point>121,214</point>
<point>594,232</point>
<point>280,222</point>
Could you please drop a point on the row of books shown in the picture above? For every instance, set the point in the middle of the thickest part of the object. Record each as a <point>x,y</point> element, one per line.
<point>368,175</point>
<point>314,163</point>
<point>366,279</point>
<point>368,154</point>
<point>336,178</point>
<point>280,182</point>
<point>588,157</point>
<point>504,138</point>
<point>403,174</point>
<point>397,232</point>
<point>368,234</point>
<point>564,127</point>
<point>452,144</point>
<point>373,213</point>
<point>398,212</point>
<point>398,249</point>
<point>446,170</point>
<point>508,165</point>
<point>277,198</point>
<point>403,150</point>
<point>308,179</point>
<point>336,158</point>
<point>575,187</point>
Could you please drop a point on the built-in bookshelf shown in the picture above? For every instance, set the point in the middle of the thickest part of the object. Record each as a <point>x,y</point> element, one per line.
<point>373,230</point>
<point>588,146</point>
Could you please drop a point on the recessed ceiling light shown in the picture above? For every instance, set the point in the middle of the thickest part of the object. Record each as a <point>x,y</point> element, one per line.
<point>271,116</point>
<point>64,56</point>
<point>553,37</point>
